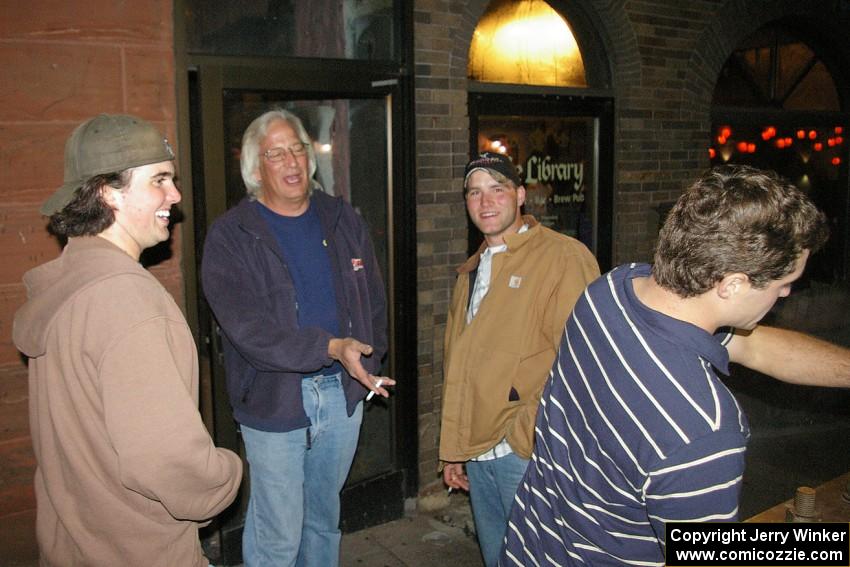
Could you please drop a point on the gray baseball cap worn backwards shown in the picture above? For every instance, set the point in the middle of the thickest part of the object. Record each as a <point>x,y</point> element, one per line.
<point>107,143</point>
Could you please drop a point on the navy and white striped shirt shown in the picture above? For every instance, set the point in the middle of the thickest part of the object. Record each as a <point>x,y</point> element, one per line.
<point>634,429</point>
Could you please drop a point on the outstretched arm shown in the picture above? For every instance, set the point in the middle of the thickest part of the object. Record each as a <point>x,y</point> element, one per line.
<point>792,357</point>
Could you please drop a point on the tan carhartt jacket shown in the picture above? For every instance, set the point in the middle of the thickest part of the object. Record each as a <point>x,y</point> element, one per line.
<point>495,368</point>
<point>126,468</point>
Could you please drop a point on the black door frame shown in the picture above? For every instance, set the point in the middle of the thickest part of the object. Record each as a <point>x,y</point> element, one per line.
<point>790,120</point>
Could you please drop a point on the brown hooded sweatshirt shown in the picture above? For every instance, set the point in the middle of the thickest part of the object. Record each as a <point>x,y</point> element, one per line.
<point>126,468</point>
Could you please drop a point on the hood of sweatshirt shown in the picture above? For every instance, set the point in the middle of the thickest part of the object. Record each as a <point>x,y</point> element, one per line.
<point>84,262</point>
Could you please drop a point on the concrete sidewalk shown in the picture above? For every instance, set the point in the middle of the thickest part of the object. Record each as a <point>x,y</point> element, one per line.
<point>420,539</point>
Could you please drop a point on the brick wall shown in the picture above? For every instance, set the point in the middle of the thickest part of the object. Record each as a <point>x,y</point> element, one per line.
<point>665,56</point>
<point>62,63</point>
<point>441,38</point>
<point>666,63</point>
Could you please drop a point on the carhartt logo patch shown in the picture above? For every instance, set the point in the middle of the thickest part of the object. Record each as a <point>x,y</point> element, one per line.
<point>515,282</point>
<point>357,264</point>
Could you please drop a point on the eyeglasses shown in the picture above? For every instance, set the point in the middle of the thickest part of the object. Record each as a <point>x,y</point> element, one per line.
<point>279,154</point>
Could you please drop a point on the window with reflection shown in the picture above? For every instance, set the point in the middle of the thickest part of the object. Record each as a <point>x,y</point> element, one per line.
<point>776,106</point>
<point>556,160</point>
<point>335,29</point>
<point>773,68</point>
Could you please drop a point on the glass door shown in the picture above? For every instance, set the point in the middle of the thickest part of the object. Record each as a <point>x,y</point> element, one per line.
<point>351,142</point>
<point>562,147</point>
<point>354,135</point>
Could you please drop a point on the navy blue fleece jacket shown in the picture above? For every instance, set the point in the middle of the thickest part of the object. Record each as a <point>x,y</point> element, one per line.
<point>247,284</point>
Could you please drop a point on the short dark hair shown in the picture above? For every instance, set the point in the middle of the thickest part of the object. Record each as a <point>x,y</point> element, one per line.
<point>736,219</point>
<point>88,214</point>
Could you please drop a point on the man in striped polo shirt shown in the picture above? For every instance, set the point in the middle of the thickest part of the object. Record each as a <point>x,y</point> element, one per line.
<point>634,428</point>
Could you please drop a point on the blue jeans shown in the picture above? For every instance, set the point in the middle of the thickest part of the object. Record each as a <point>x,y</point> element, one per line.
<point>293,508</point>
<point>492,487</point>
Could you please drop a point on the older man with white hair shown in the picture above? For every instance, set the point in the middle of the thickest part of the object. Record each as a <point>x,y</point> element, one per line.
<point>293,280</point>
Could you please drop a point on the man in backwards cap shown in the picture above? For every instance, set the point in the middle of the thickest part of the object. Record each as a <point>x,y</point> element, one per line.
<point>503,330</point>
<point>126,469</point>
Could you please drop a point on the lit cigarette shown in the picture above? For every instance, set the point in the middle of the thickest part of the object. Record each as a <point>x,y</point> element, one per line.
<point>377,385</point>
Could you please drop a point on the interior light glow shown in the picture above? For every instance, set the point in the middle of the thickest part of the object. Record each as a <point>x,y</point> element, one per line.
<point>525,42</point>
